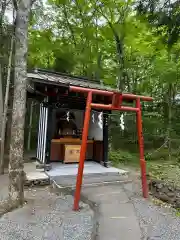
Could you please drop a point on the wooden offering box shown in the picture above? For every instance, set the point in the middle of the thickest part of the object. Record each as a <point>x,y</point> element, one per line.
<point>67,150</point>
<point>72,153</point>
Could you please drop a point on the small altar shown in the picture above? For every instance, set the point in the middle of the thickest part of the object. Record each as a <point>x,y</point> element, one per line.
<point>67,138</point>
<point>67,150</point>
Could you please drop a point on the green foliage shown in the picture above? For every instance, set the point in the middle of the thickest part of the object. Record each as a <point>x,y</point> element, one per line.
<point>121,156</point>
<point>108,41</point>
<point>64,60</point>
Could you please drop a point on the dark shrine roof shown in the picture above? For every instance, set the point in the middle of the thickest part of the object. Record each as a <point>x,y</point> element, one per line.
<point>60,79</point>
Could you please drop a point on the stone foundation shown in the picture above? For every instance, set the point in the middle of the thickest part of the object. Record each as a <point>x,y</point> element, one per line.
<point>45,167</point>
<point>37,182</point>
<point>165,192</point>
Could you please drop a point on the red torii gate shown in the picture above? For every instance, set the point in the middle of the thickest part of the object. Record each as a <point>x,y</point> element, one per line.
<point>117,99</point>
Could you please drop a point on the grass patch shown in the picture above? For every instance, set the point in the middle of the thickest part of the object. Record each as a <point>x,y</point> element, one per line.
<point>178,212</point>
<point>168,171</point>
<point>158,166</point>
<point>123,157</point>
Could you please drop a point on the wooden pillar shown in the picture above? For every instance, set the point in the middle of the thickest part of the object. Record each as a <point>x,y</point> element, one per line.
<point>30,126</point>
<point>50,131</point>
<point>105,138</point>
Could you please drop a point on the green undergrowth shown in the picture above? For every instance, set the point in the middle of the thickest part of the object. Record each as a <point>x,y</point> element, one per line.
<point>168,171</point>
<point>178,212</point>
<point>123,157</point>
<point>158,164</point>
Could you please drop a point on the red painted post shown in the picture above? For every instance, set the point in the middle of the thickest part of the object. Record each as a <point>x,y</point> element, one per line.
<point>141,148</point>
<point>82,152</point>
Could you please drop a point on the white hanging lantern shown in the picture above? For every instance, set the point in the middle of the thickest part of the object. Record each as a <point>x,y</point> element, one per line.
<point>122,122</point>
<point>93,118</point>
<point>67,118</point>
<point>100,120</point>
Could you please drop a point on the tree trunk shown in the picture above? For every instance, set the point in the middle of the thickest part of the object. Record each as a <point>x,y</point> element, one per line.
<point>2,12</point>
<point>1,100</point>
<point>4,117</point>
<point>169,120</point>
<point>16,163</point>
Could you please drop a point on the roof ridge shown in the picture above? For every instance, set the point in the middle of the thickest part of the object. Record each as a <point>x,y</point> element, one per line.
<point>46,71</point>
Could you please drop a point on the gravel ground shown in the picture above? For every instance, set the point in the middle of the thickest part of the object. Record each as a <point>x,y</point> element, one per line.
<point>157,223</point>
<point>47,216</point>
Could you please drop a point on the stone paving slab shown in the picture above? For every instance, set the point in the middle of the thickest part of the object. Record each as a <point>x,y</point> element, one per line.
<point>90,167</point>
<point>117,218</point>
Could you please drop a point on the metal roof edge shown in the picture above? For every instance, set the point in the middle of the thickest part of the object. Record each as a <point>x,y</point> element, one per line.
<point>54,73</point>
<point>57,80</point>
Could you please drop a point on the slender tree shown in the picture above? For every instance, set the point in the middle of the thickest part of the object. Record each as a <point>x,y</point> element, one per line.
<point>2,12</point>
<point>5,108</point>
<point>16,172</point>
